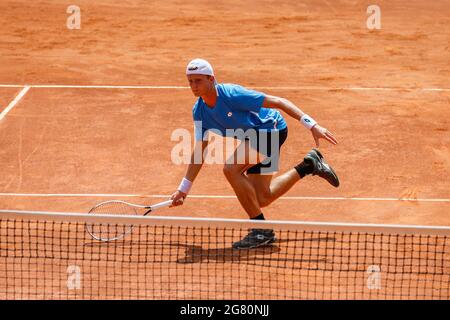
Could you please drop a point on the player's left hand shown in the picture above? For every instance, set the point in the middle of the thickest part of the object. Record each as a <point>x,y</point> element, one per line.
<point>319,132</point>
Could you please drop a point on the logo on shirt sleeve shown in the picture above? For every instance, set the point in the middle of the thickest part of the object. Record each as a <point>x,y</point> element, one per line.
<point>229,114</point>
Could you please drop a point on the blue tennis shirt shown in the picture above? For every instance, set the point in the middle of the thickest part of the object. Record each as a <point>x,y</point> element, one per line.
<point>236,108</point>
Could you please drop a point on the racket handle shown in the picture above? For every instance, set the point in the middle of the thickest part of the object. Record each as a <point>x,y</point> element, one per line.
<point>161,205</point>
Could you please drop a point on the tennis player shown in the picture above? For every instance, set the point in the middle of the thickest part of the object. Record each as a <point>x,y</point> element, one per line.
<point>226,108</point>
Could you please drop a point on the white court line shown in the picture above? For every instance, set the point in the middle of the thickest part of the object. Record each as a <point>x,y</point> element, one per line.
<point>14,102</point>
<point>56,86</point>
<point>119,195</point>
<point>253,87</point>
<point>109,87</point>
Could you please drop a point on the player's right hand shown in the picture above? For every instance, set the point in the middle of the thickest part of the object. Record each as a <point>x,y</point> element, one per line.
<point>177,198</point>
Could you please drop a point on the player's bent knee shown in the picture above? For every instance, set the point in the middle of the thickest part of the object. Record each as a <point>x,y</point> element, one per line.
<point>264,201</point>
<point>231,172</point>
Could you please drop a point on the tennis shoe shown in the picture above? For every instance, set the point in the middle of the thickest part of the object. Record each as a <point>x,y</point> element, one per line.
<point>321,168</point>
<point>255,238</point>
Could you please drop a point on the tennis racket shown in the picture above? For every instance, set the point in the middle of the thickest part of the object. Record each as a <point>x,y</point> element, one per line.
<point>111,232</point>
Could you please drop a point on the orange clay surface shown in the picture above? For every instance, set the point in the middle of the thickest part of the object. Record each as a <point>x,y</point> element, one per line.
<point>393,143</point>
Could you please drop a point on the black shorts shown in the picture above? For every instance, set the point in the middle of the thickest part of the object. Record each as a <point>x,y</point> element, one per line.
<point>272,139</point>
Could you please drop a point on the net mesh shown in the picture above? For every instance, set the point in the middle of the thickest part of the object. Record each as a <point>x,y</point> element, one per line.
<point>45,259</point>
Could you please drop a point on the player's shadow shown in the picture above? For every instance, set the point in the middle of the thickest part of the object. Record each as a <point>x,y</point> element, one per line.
<point>283,250</point>
<point>275,252</point>
<point>197,254</point>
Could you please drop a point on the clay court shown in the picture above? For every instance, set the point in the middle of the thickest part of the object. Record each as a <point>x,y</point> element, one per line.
<point>92,110</point>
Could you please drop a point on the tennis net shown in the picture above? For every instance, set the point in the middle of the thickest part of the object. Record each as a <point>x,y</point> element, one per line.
<point>51,256</point>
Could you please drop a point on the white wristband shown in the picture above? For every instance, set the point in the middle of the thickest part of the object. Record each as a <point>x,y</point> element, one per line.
<point>307,121</point>
<point>185,186</point>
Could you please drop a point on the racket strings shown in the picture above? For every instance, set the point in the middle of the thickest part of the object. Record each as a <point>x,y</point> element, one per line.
<point>109,232</point>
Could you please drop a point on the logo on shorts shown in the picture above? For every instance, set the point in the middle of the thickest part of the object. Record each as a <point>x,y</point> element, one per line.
<point>229,114</point>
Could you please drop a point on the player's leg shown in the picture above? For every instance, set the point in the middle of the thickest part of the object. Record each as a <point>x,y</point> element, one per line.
<point>246,194</point>
<point>234,171</point>
<point>242,179</point>
<point>260,175</point>
<point>257,189</point>
<point>268,189</point>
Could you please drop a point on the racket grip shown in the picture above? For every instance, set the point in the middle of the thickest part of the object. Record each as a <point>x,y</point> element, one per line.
<point>161,205</point>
